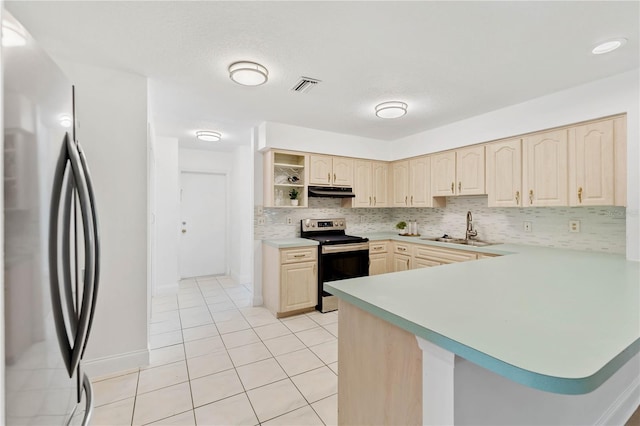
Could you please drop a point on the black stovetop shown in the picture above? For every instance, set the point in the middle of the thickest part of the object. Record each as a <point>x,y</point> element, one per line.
<point>328,239</point>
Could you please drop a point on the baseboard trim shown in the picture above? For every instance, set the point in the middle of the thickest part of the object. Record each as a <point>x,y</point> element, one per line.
<point>113,364</point>
<point>623,407</point>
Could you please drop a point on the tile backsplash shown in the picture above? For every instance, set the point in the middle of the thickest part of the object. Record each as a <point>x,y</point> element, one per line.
<point>601,228</point>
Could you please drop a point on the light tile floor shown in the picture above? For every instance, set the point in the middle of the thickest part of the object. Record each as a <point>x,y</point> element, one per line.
<point>215,360</point>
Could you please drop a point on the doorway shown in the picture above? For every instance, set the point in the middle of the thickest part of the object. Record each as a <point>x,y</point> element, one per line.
<point>203,224</point>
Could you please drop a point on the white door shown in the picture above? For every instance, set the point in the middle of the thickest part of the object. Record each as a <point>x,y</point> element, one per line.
<point>203,238</point>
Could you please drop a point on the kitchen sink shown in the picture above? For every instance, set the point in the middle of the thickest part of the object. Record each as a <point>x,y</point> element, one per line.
<point>462,241</point>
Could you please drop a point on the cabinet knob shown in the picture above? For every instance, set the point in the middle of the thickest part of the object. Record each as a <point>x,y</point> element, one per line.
<point>405,200</point>
<point>369,199</point>
<point>412,200</point>
<point>517,197</point>
<point>453,187</point>
<point>334,178</point>
<point>531,196</point>
<point>459,186</point>
<point>374,200</point>
<point>329,177</point>
<point>580,194</point>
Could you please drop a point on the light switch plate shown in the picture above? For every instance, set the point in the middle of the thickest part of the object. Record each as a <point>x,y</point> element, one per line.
<point>574,226</point>
<point>527,226</point>
<point>289,220</point>
<point>261,220</point>
<point>260,210</point>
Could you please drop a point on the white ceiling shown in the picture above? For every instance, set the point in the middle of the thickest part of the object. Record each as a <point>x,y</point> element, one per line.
<point>447,60</point>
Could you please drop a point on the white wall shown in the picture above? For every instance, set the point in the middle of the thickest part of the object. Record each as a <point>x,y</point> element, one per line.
<point>613,95</point>
<point>167,216</point>
<point>112,115</point>
<point>241,175</point>
<point>285,136</point>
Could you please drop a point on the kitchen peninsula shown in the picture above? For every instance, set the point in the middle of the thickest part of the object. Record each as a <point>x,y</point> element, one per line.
<point>534,336</point>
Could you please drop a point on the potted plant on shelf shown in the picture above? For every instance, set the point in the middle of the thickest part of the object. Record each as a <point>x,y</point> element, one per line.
<point>402,225</point>
<point>293,195</point>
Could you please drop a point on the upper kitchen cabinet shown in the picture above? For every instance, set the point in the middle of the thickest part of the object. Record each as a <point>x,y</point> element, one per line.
<point>370,184</point>
<point>330,171</point>
<point>545,169</point>
<point>285,171</point>
<point>459,172</point>
<point>504,173</point>
<point>411,183</point>
<point>592,163</point>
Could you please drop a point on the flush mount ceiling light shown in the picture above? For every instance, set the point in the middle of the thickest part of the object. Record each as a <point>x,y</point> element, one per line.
<point>609,46</point>
<point>208,136</point>
<point>11,36</point>
<point>248,73</point>
<point>392,109</point>
<point>65,120</point>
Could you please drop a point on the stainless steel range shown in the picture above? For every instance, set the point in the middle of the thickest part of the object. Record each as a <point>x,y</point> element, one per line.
<point>340,256</point>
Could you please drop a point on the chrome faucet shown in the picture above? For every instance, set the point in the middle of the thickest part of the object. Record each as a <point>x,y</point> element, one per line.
<point>471,233</point>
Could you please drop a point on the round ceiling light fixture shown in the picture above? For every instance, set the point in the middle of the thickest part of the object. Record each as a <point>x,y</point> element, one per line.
<point>248,73</point>
<point>391,109</point>
<point>609,46</point>
<point>208,135</point>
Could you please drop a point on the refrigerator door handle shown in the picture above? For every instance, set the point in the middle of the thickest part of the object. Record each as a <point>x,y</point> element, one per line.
<point>88,391</point>
<point>56,301</point>
<point>96,241</point>
<point>89,263</point>
<point>67,280</point>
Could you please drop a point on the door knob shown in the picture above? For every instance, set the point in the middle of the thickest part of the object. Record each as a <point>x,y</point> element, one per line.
<point>184,231</point>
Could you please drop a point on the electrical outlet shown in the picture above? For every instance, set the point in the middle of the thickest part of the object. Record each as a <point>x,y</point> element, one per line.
<point>289,220</point>
<point>261,220</point>
<point>527,226</point>
<point>260,210</point>
<point>574,226</point>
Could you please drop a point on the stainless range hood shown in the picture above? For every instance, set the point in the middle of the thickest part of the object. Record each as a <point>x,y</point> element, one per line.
<point>331,192</point>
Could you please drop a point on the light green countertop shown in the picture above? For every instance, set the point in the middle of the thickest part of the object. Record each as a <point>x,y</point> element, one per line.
<point>290,242</point>
<point>557,320</point>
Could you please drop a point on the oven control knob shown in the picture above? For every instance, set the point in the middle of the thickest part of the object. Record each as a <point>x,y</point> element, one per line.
<point>307,223</point>
<point>341,223</point>
<point>313,225</point>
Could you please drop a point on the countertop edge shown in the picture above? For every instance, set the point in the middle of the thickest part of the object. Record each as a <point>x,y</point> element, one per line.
<point>559,385</point>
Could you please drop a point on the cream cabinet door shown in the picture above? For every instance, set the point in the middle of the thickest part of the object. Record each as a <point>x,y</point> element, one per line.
<point>342,171</point>
<point>443,174</point>
<point>298,286</point>
<point>504,173</point>
<point>362,184</point>
<point>470,171</point>
<point>401,262</point>
<point>424,263</point>
<point>320,169</point>
<point>545,169</point>
<point>380,183</point>
<point>591,164</point>
<point>378,264</point>
<point>400,183</point>
<point>419,187</point>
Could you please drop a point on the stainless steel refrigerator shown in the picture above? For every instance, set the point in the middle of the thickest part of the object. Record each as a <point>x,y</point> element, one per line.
<point>51,244</point>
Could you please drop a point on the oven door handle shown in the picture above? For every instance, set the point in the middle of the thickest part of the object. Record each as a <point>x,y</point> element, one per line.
<point>343,248</point>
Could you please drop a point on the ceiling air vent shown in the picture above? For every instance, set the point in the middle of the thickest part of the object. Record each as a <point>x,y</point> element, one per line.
<point>305,84</point>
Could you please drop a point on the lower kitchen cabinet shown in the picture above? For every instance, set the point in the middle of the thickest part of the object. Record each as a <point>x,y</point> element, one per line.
<point>379,258</point>
<point>290,279</point>
<point>401,262</point>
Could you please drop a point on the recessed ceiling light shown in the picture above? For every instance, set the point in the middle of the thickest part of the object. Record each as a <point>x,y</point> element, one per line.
<point>391,109</point>
<point>11,36</point>
<point>65,120</point>
<point>248,73</point>
<point>609,46</point>
<point>208,136</point>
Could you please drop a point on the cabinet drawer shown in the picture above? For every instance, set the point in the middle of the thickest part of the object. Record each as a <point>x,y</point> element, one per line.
<point>402,248</point>
<point>424,263</point>
<point>298,255</point>
<point>378,247</point>
<point>442,255</point>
